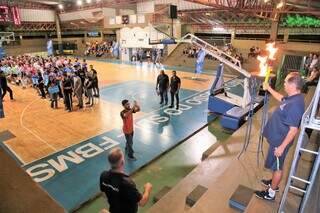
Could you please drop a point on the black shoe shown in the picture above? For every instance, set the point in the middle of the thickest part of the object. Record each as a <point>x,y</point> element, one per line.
<point>264,195</point>
<point>267,183</point>
<point>161,102</point>
<point>171,106</point>
<point>177,107</point>
<point>166,103</point>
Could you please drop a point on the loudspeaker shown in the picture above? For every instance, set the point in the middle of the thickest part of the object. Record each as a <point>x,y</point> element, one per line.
<point>173,12</point>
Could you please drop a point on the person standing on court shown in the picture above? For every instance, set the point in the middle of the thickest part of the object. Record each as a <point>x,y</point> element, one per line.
<point>78,89</point>
<point>95,85</point>
<point>4,86</point>
<point>88,88</point>
<point>67,91</point>
<point>281,130</point>
<point>162,87</point>
<point>127,118</point>
<point>121,192</point>
<point>175,84</point>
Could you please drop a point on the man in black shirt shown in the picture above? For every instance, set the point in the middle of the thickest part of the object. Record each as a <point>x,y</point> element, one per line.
<point>162,86</point>
<point>67,91</point>
<point>175,84</point>
<point>95,85</point>
<point>4,85</point>
<point>121,191</point>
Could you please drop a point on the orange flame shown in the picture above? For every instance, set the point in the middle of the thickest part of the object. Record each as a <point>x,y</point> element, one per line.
<point>263,65</point>
<point>264,59</point>
<point>272,50</point>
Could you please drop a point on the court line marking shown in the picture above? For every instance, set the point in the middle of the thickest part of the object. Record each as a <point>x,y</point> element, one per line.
<point>13,152</point>
<point>5,143</point>
<point>30,131</point>
<point>67,147</point>
<point>115,85</point>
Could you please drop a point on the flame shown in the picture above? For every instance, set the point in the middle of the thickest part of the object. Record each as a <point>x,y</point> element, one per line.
<point>272,50</point>
<point>263,65</point>
<point>264,59</point>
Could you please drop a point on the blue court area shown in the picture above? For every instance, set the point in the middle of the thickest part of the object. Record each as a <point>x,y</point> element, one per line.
<point>71,176</point>
<point>143,92</point>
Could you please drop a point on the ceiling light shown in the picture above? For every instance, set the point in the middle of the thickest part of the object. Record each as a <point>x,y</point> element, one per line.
<point>280,4</point>
<point>79,2</point>
<point>88,1</point>
<point>60,6</point>
<point>266,1</point>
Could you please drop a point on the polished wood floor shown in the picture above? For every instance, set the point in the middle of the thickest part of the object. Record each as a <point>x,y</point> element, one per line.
<point>41,131</point>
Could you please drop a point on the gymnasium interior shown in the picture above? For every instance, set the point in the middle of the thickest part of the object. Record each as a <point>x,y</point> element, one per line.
<point>204,154</point>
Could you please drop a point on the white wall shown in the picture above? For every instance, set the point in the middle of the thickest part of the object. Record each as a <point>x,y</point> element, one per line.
<point>97,13</point>
<point>107,12</point>
<point>32,15</point>
<point>126,12</point>
<point>139,37</point>
<point>145,7</point>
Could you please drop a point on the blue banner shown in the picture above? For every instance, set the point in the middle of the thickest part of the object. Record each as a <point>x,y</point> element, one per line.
<point>2,52</point>
<point>200,61</point>
<point>218,82</point>
<point>49,48</point>
<point>115,49</point>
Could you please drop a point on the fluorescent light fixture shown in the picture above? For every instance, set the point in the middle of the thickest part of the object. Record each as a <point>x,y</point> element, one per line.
<point>60,6</point>
<point>88,1</point>
<point>218,29</point>
<point>280,4</point>
<point>266,1</point>
<point>79,2</point>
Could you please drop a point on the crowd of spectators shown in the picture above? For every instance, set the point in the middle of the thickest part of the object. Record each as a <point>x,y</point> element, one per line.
<point>98,49</point>
<point>254,52</point>
<point>192,52</point>
<point>53,78</point>
<point>312,70</point>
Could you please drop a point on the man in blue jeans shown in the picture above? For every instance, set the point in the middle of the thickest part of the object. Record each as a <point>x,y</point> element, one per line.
<point>281,130</point>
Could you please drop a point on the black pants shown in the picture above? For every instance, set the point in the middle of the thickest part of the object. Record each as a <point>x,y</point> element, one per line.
<point>96,89</point>
<point>129,144</point>
<point>41,88</point>
<point>174,94</point>
<point>68,99</point>
<point>5,90</point>
<point>163,95</point>
<point>54,100</point>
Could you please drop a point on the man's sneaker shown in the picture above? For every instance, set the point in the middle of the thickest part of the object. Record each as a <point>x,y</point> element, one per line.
<point>267,183</point>
<point>264,195</point>
<point>132,158</point>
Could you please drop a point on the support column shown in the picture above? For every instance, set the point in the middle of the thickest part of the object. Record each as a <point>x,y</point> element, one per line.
<point>286,35</point>
<point>233,36</point>
<point>274,30</point>
<point>57,20</point>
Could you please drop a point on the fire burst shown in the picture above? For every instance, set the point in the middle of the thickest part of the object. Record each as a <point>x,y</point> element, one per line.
<point>265,69</point>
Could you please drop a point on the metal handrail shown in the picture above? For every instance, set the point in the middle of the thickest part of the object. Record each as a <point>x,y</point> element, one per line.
<point>216,53</point>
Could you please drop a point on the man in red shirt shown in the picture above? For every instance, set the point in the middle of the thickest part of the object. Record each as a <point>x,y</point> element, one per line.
<point>127,118</point>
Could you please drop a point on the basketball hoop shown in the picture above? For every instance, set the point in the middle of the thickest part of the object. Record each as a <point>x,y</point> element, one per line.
<point>6,37</point>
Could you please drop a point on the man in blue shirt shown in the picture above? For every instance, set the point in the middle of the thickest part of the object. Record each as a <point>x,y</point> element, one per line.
<point>281,130</point>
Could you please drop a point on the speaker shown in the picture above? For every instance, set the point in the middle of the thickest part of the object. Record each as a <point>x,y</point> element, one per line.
<point>173,12</point>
